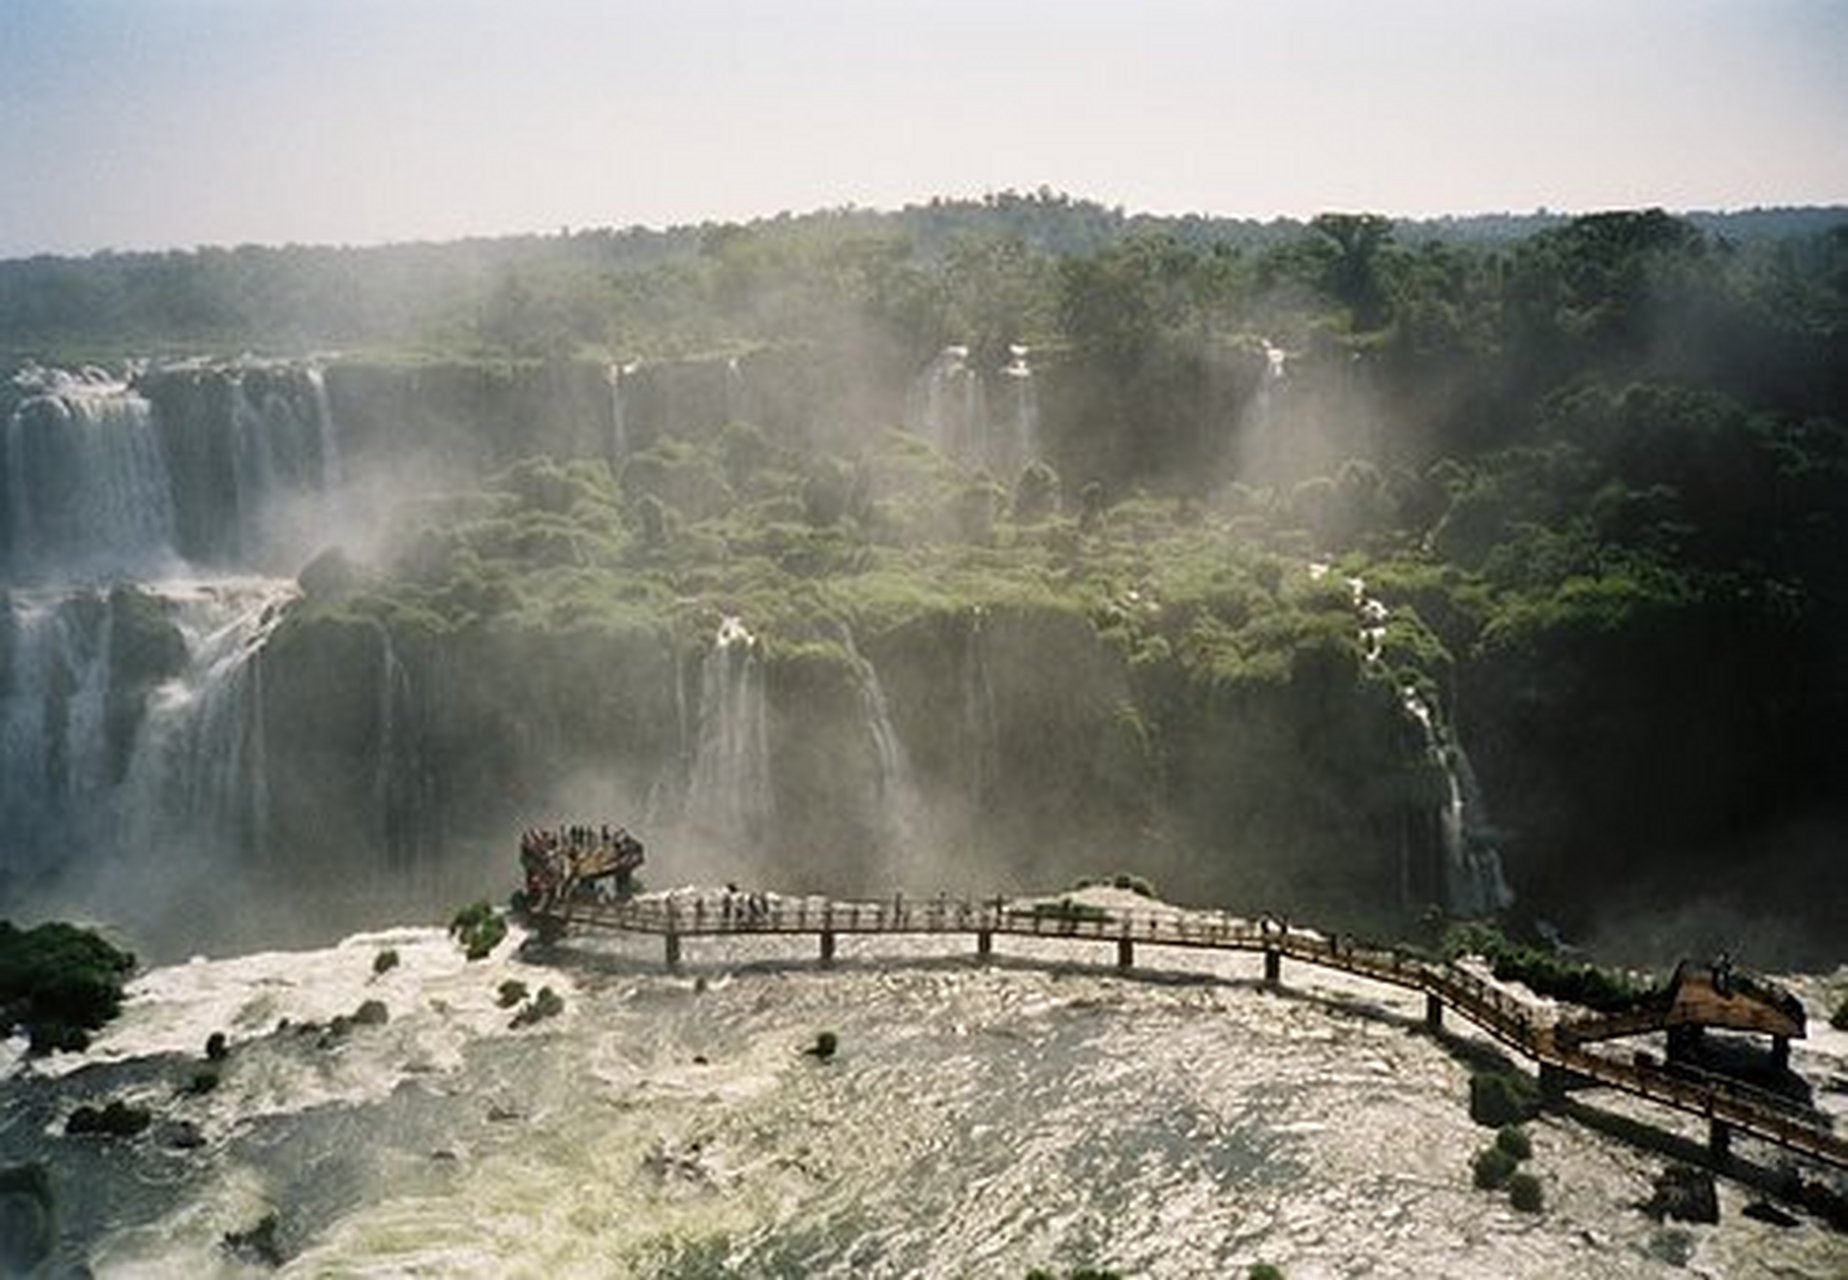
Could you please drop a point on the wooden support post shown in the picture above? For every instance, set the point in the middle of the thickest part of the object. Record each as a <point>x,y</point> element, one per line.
<point>1273,967</point>
<point>673,952</point>
<point>1434,1011</point>
<point>827,948</point>
<point>984,944</point>
<point>1719,1140</point>
<point>1126,954</point>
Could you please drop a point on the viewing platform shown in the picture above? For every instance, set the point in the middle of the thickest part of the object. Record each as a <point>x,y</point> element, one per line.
<point>1518,1024</point>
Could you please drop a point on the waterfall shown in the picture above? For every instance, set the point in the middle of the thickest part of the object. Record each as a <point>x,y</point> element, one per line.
<point>86,486</point>
<point>980,725</point>
<point>403,785</point>
<point>333,472</point>
<point>736,407</point>
<point>54,742</point>
<point>1018,444</point>
<point>729,792</point>
<point>948,406</point>
<point>900,806</point>
<point>619,413</point>
<point>283,459</point>
<point>200,770</point>
<point>1474,882</point>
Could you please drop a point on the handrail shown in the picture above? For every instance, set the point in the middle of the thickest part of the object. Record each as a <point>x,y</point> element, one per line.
<point>1510,1020</point>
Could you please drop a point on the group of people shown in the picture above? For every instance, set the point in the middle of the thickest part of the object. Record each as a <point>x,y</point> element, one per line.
<point>562,862</point>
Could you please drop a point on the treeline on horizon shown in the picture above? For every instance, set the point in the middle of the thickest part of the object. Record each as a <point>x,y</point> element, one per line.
<point>923,275</point>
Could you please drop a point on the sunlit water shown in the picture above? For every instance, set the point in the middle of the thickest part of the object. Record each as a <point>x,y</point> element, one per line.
<point>1041,1111</point>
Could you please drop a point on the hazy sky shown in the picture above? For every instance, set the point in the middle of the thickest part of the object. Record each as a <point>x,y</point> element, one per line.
<point>154,123</point>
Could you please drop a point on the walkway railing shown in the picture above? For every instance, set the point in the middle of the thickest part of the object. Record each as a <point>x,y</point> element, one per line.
<point>1516,1023</point>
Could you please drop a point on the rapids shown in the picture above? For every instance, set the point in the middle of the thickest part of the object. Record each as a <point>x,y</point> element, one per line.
<point>1040,1111</point>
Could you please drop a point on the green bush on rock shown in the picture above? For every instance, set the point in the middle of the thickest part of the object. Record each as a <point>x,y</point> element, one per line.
<point>1514,1140</point>
<point>479,928</point>
<point>1492,1168</point>
<point>59,982</point>
<point>1524,1193</point>
<point>1498,1098</point>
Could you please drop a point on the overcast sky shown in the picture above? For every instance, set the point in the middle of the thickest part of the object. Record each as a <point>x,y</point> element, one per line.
<point>153,123</point>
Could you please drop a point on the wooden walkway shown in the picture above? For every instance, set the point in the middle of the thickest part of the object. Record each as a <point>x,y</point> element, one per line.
<point>1726,1105</point>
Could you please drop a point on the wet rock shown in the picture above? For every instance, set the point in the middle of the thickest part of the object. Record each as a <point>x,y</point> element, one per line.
<point>257,1245</point>
<point>1684,1193</point>
<point>182,1135</point>
<point>27,1226</point>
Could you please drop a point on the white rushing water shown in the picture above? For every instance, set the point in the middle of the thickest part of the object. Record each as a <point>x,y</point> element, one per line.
<point>728,795</point>
<point>977,1120</point>
<point>87,485</point>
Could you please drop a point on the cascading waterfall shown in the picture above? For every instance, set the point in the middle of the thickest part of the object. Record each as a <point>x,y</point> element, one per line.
<point>285,460</point>
<point>1474,882</point>
<point>737,407</point>
<point>729,792</point>
<point>333,471</point>
<point>201,767</point>
<point>86,484</point>
<point>980,725</point>
<point>403,786</point>
<point>900,805</point>
<point>1018,444</point>
<point>948,405</point>
<point>619,412</point>
<point>54,748</point>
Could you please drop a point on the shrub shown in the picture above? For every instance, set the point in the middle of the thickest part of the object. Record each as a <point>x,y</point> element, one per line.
<point>59,982</point>
<point>512,992</point>
<point>1492,1168</point>
<point>1524,1193</point>
<point>826,1045</point>
<point>1839,1019</point>
<point>1498,1098</point>
<point>1264,1271</point>
<point>547,1004</point>
<point>371,1013</point>
<point>1514,1140</point>
<point>479,928</point>
<point>201,1082</point>
<point>216,1047</point>
<point>257,1245</point>
<point>385,961</point>
<point>116,1120</point>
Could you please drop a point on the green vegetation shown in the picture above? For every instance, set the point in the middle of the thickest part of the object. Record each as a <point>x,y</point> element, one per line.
<point>1524,1192</point>
<point>1135,884</point>
<point>385,961</point>
<point>1547,974</point>
<point>217,1048</point>
<point>1492,1168</point>
<point>116,1119</point>
<point>1264,1271</point>
<point>1502,1098</point>
<point>826,1045</point>
<point>1839,1019</point>
<point>371,1013</point>
<point>1514,1140</point>
<point>547,1004</point>
<point>200,1082</point>
<point>479,928</point>
<point>60,983</point>
<point>510,993</point>
<point>1575,458</point>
